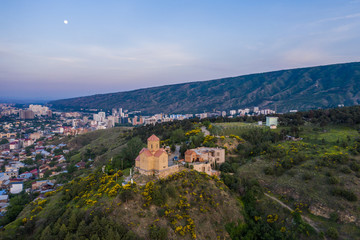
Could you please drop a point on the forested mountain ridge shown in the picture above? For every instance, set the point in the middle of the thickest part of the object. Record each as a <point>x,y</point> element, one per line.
<point>303,88</point>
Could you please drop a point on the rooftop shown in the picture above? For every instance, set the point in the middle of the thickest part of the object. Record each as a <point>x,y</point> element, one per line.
<point>153,138</point>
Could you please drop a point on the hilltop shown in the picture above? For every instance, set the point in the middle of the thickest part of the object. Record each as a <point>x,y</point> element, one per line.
<point>302,89</point>
<point>185,205</point>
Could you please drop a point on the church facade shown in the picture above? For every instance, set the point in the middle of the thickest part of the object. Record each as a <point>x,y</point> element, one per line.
<point>153,160</point>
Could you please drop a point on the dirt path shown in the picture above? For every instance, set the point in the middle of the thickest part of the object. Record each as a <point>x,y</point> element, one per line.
<point>308,220</point>
<point>205,131</point>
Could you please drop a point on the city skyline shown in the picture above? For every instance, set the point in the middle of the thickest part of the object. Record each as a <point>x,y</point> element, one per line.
<point>119,46</point>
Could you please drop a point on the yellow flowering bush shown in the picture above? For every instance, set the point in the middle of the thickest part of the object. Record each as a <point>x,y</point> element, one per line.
<point>193,132</point>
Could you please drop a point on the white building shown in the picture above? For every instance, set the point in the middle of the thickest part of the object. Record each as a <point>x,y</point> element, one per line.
<point>100,117</point>
<point>232,112</point>
<point>16,187</point>
<point>271,121</point>
<point>38,109</point>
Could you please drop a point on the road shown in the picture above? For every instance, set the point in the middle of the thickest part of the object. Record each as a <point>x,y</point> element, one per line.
<point>173,154</point>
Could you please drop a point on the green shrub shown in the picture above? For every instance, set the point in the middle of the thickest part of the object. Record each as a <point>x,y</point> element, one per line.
<point>291,172</point>
<point>307,176</point>
<point>329,174</point>
<point>171,191</point>
<point>355,167</point>
<point>161,212</point>
<point>345,169</point>
<point>269,171</point>
<point>279,171</point>
<point>347,194</point>
<point>333,180</point>
<point>157,233</point>
<point>334,216</point>
<point>332,233</point>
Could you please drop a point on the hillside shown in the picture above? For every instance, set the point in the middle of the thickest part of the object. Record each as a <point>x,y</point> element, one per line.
<point>303,88</point>
<point>186,205</point>
<point>299,181</point>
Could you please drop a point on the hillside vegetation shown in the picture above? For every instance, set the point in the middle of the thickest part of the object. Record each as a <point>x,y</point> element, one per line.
<point>299,181</point>
<point>303,88</point>
<point>185,205</point>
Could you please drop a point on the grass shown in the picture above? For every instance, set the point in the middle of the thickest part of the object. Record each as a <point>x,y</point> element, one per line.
<point>331,134</point>
<point>236,128</point>
<point>103,143</point>
<point>309,183</point>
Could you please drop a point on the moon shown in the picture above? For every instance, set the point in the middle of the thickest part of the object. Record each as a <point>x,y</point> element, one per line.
<point>66,21</point>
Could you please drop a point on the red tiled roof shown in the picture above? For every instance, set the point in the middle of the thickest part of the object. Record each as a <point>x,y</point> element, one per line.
<point>137,158</point>
<point>146,152</point>
<point>153,138</point>
<point>80,164</point>
<point>16,180</point>
<point>189,152</point>
<point>159,152</point>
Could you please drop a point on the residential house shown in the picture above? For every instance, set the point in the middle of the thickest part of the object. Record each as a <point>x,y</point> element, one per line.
<point>26,175</point>
<point>205,154</point>
<point>16,187</point>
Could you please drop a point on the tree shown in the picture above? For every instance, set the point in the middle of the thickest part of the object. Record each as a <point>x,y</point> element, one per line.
<point>4,141</point>
<point>71,168</point>
<point>47,173</point>
<point>198,139</point>
<point>177,136</point>
<point>183,149</point>
<point>58,151</point>
<point>73,223</point>
<point>46,234</point>
<point>62,232</point>
<point>127,156</point>
<point>82,229</point>
<point>17,203</point>
<point>28,161</point>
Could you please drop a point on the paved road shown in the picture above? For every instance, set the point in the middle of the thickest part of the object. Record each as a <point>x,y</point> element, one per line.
<point>308,220</point>
<point>175,153</point>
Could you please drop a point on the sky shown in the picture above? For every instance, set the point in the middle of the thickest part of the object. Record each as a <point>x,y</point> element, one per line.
<point>114,45</point>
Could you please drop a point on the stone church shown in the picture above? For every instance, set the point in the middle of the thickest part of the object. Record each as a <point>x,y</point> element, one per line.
<point>152,160</point>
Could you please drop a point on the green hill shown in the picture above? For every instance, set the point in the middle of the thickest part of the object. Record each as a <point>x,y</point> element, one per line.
<point>299,181</point>
<point>303,88</point>
<point>185,205</point>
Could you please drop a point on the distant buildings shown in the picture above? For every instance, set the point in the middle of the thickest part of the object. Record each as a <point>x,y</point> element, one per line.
<point>100,117</point>
<point>272,122</point>
<point>39,110</point>
<point>232,112</point>
<point>26,114</point>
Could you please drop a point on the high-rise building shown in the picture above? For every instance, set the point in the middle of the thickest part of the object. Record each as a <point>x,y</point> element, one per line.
<point>38,109</point>
<point>102,116</point>
<point>26,114</point>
